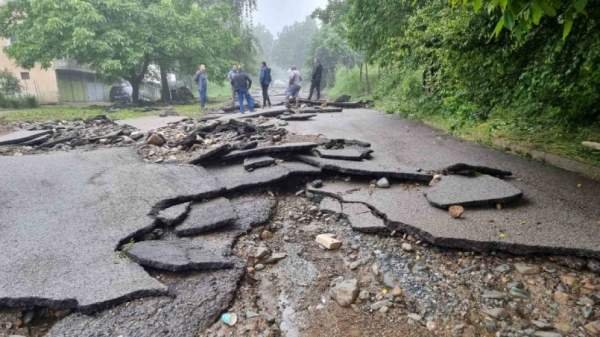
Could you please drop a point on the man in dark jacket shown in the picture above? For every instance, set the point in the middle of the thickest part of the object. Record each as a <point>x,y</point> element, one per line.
<point>241,83</point>
<point>316,80</point>
<point>265,81</point>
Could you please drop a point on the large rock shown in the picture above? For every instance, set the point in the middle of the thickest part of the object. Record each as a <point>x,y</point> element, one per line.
<point>207,217</point>
<point>22,136</point>
<point>288,148</point>
<point>368,168</point>
<point>178,255</point>
<point>195,303</point>
<point>64,214</point>
<point>481,190</point>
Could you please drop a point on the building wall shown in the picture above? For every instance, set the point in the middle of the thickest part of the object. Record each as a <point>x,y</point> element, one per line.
<point>37,82</point>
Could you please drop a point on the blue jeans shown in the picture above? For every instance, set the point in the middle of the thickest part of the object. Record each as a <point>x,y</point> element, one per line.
<point>202,96</point>
<point>241,93</point>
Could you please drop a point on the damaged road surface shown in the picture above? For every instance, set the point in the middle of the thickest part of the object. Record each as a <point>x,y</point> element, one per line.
<point>137,241</point>
<point>63,215</point>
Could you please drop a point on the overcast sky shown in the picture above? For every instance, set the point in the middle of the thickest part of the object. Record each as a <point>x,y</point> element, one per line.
<point>275,14</point>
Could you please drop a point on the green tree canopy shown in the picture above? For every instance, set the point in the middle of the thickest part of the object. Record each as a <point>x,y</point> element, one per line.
<point>119,38</point>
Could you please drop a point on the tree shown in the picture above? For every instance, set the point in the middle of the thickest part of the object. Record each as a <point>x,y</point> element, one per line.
<point>332,51</point>
<point>292,46</point>
<point>118,39</point>
<point>265,40</point>
<point>521,15</point>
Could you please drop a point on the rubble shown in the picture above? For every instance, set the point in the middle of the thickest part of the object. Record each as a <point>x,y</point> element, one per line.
<point>369,168</point>
<point>481,190</point>
<point>174,215</point>
<point>328,241</point>
<point>207,217</point>
<point>250,164</point>
<point>286,149</point>
<point>22,136</point>
<point>471,170</point>
<point>178,255</point>
<point>297,117</point>
<point>345,292</point>
<point>344,154</point>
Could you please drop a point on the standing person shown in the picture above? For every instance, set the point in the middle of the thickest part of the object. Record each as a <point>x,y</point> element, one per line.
<point>265,81</point>
<point>230,75</point>
<point>316,80</point>
<point>242,83</point>
<point>294,84</point>
<point>201,78</point>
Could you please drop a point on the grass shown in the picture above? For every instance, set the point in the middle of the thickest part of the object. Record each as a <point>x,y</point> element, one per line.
<point>217,96</point>
<point>495,131</point>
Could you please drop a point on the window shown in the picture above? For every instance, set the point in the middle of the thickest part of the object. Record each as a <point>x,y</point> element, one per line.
<point>25,76</point>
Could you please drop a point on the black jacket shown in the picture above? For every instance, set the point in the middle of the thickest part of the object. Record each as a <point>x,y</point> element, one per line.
<point>241,81</point>
<point>317,73</point>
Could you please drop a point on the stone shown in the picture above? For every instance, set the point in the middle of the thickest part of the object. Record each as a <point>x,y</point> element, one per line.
<point>178,255</point>
<point>396,291</point>
<point>593,328</point>
<point>288,148</point>
<point>591,145</point>
<point>261,252</point>
<point>22,136</point>
<point>493,294</point>
<point>415,317</point>
<point>207,217</point>
<point>380,304</point>
<point>407,247</point>
<point>344,154</point>
<point>456,211</point>
<point>266,235</point>
<point>156,139</point>
<point>526,269</point>
<point>251,164</point>
<point>345,292</point>
<point>136,135</point>
<point>195,303</point>
<point>259,267</point>
<point>561,297</point>
<point>328,241</point>
<point>495,313</point>
<point>383,183</point>
<point>482,190</point>
<point>174,215</point>
<point>593,265</point>
<point>275,257</point>
<point>568,280</point>
<point>369,168</point>
<point>100,200</point>
<point>209,155</point>
<point>318,183</point>
<point>547,334</point>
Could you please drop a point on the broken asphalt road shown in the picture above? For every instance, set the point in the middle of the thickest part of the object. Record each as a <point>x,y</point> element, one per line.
<point>559,213</point>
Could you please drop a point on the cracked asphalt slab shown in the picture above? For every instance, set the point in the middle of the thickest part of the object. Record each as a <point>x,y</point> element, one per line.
<point>558,213</point>
<point>64,215</point>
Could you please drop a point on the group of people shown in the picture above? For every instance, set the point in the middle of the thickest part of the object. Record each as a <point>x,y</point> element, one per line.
<point>241,84</point>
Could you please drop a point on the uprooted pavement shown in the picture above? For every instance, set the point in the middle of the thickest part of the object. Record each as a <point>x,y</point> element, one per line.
<point>180,214</point>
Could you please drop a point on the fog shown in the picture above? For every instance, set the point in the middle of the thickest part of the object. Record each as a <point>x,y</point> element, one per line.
<point>275,14</point>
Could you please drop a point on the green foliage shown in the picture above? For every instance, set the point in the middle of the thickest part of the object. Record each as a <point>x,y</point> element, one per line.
<point>521,15</point>
<point>293,42</point>
<point>121,38</point>
<point>17,102</point>
<point>332,51</point>
<point>9,84</point>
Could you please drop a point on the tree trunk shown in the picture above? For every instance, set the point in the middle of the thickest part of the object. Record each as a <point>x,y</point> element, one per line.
<point>136,80</point>
<point>135,90</point>
<point>360,73</point>
<point>367,78</point>
<point>165,92</point>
